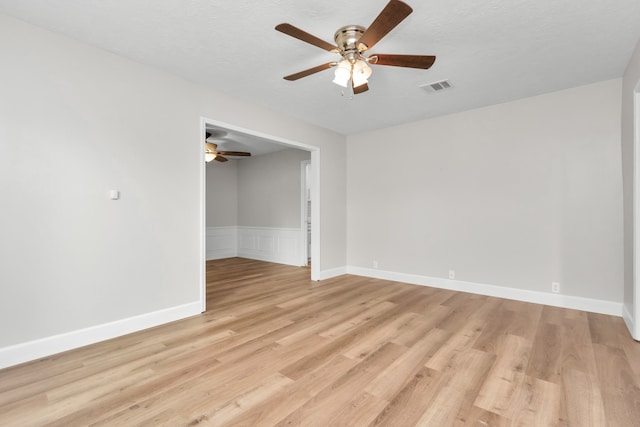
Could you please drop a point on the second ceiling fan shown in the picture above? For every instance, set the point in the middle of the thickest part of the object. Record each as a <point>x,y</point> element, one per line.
<point>352,41</point>
<point>211,151</point>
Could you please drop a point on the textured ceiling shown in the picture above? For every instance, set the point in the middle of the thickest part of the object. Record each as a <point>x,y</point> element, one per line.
<point>491,50</point>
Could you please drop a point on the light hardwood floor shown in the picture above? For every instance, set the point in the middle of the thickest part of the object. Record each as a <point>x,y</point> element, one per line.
<point>275,348</point>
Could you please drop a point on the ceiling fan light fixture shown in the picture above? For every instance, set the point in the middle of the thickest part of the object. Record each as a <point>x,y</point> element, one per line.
<point>361,73</point>
<point>342,73</point>
<point>209,152</point>
<point>352,41</point>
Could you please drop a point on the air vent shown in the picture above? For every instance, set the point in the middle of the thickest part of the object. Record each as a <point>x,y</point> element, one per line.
<point>436,87</point>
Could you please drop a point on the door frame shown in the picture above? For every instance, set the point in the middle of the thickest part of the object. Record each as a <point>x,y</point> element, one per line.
<point>304,182</point>
<point>635,314</point>
<point>315,196</point>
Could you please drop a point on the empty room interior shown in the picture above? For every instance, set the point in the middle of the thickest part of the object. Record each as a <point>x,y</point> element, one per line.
<point>310,213</point>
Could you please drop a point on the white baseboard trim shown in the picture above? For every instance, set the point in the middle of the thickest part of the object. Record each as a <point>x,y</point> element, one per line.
<point>333,272</point>
<point>634,330</point>
<point>25,352</point>
<point>556,300</point>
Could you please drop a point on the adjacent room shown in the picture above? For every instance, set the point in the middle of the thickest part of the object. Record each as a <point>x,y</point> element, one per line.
<point>320,213</point>
<point>258,201</point>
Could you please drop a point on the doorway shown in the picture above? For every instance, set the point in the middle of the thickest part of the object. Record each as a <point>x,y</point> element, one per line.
<point>634,326</point>
<point>311,251</point>
<point>305,211</point>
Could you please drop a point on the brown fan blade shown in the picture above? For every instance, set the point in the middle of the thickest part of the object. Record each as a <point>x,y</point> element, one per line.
<point>412,61</point>
<point>221,159</point>
<point>299,34</point>
<point>310,71</point>
<point>234,153</point>
<point>359,89</point>
<point>392,14</point>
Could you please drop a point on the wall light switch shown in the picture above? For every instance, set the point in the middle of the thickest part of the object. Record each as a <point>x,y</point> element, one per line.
<point>114,194</point>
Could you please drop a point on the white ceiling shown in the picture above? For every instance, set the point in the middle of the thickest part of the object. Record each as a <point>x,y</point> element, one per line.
<point>491,50</point>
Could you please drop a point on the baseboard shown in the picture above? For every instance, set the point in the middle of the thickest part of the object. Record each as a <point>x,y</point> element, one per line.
<point>333,272</point>
<point>48,346</point>
<point>214,255</point>
<point>634,330</point>
<point>556,300</point>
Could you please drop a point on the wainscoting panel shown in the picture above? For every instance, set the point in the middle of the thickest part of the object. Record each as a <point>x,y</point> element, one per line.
<point>222,242</point>
<point>266,243</point>
<point>281,245</point>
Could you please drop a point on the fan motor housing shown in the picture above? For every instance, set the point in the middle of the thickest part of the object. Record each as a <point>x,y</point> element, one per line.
<point>347,37</point>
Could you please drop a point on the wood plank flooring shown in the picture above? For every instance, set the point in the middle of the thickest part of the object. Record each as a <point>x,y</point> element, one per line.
<point>275,348</point>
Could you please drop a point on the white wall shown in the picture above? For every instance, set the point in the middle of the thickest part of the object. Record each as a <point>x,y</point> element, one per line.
<point>75,122</point>
<point>269,189</point>
<point>630,83</point>
<point>514,195</point>
<point>261,191</point>
<point>222,193</point>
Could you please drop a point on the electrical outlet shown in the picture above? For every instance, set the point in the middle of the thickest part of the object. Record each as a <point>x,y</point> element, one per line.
<point>452,274</point>
<point>555,287</point>
<point>375,264</point>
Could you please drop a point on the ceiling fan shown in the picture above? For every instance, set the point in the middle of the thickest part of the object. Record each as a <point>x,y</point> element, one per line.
<point>352,41</point>
<point>211,153</point>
